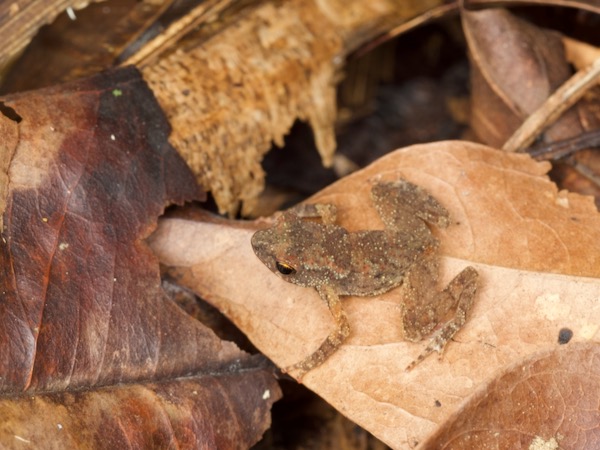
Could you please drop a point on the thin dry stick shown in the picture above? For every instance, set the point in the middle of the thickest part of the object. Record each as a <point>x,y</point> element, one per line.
<point>562,99</point>
<point>426,17</point>
<point>559,149</point>
<point>175,31</point>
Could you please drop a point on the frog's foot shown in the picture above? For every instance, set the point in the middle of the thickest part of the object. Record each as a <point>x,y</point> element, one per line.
<point>333,341</point>
<point>437,343</point>
<point>462,288</point>
<point>327,348</point>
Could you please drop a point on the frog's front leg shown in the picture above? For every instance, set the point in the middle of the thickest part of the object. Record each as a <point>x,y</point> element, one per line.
<point>427,308</point>
<point>333,341</point>
<point>404,206</point>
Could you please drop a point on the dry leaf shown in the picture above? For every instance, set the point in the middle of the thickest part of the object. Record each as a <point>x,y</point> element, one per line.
<point>580,54</point>
<point>213,411</point>
<point>555,393</point>
<point>536,250</point>
<point>92,351</point>
<point>510,81</point>
<point>70,49</point>
<point>20,20</point>
<point>588,5</point>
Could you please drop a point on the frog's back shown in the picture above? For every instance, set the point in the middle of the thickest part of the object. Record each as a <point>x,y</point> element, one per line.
<point>380,260</point>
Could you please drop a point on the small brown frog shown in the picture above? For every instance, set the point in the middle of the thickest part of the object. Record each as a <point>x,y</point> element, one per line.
<point>337,262</point>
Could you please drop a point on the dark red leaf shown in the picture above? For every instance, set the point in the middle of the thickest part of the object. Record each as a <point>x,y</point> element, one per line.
<point>89,171</point>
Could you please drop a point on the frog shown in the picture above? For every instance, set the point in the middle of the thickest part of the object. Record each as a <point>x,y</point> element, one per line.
<point>305,246</point>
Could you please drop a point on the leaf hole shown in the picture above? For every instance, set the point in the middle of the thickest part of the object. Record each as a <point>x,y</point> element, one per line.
<point>10,113</point>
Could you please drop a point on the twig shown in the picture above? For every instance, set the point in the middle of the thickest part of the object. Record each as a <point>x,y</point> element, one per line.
<point>426,17</point>
<point>560,149</point>
<point>588,173</point>
<point>561,100</point>
<point>152,49</point>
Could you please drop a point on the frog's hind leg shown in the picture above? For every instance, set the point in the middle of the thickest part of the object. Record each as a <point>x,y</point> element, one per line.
<point>459,294</point>
<point>405,206</point>
<point>333,341</point>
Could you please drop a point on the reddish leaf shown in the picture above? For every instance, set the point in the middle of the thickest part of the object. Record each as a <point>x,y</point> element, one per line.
<point>541,392</point>
<point>589,5</point>
<point>222,411</point>
<point>510,81</point>
<point>90,171</point>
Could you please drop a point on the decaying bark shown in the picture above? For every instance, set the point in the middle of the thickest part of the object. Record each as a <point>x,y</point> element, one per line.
<point>235,84</point>
<point>230,97</point>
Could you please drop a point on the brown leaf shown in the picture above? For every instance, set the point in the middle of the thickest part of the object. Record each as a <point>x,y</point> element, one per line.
<point>222,411</point>
<point>90,170</point>
<point>580,54</point>
<point>542,392</point>
<point>20,20</point>
<point>587,5</point>
<point>510,81</point>
<point>536,250</point>
<point>71,49</point>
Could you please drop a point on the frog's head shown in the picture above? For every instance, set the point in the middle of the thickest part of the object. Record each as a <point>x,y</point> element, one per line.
<point>303,252</point>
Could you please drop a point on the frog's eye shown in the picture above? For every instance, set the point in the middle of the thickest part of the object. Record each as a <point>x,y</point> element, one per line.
<point>284,268</point>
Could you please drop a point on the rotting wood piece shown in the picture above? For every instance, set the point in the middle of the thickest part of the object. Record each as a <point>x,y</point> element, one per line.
<point>231,96</point>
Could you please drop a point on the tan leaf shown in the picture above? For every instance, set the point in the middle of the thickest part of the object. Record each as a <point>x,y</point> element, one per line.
<point>536,250</point>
